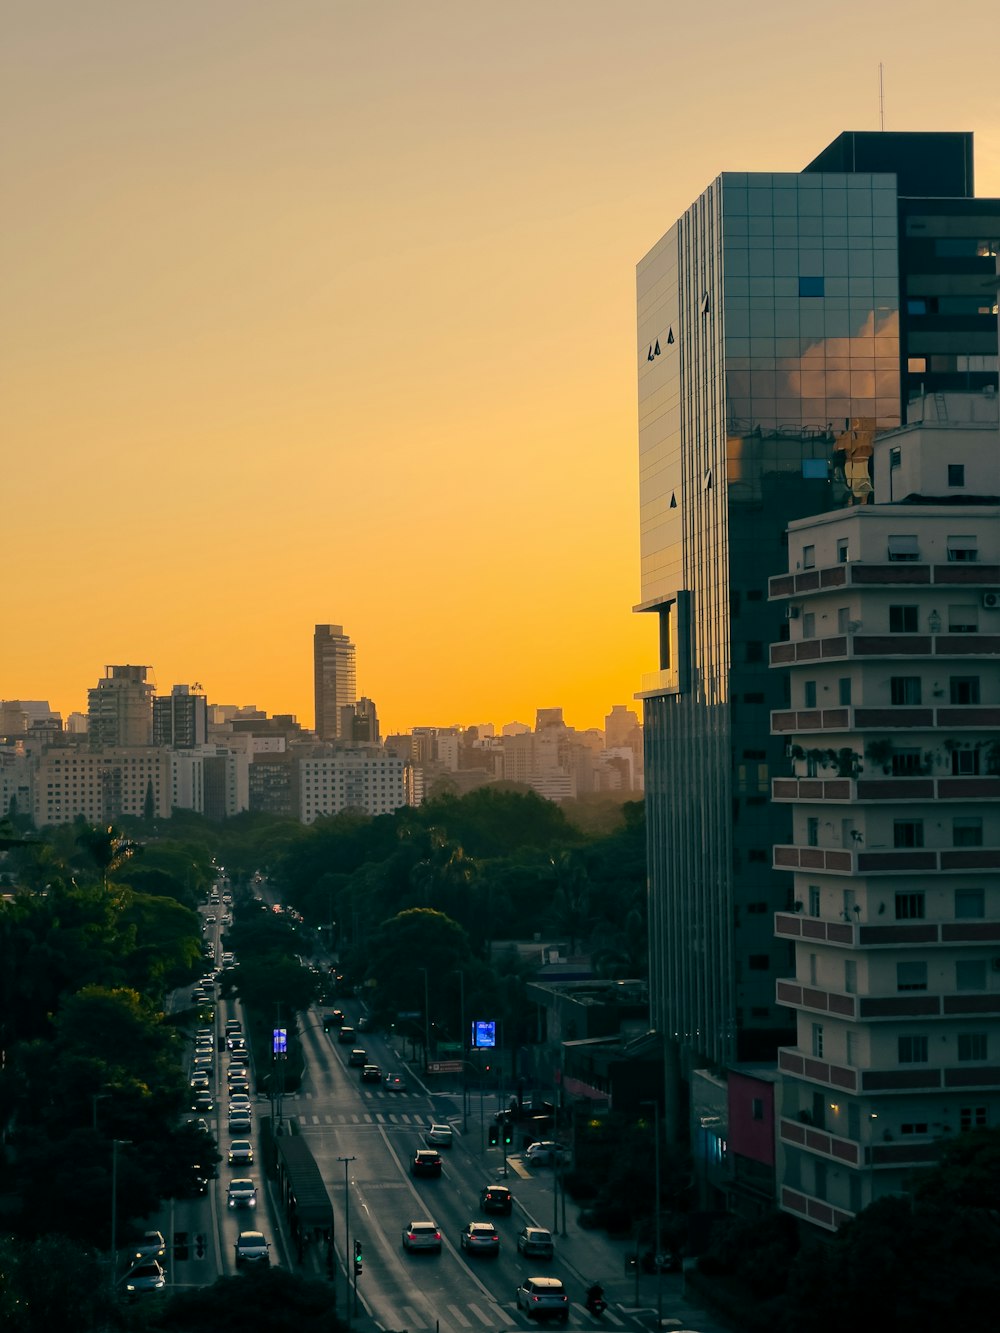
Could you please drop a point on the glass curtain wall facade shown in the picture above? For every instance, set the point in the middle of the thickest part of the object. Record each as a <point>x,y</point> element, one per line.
<point>768,353</point>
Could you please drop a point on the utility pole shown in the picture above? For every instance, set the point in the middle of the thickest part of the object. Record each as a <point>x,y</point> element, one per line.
<point>348,1263</point>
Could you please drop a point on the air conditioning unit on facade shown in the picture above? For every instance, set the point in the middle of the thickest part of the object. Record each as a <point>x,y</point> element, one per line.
<point>991,601</point>
<point>792,612</point>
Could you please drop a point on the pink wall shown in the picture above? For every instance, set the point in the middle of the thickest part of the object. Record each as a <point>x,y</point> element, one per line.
<point>749,1137</point>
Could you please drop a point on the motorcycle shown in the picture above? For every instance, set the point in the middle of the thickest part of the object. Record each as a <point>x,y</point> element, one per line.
<point>596,1304</point>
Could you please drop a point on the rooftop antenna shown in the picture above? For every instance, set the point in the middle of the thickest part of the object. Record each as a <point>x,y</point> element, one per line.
<point>881,99</point>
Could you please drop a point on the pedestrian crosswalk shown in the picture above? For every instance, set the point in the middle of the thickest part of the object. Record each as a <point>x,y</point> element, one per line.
<point>474,1315</point>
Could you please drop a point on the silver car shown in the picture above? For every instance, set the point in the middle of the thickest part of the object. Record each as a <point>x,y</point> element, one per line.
<point>242,1193</point>
<point>252,1248</point>
<point>422,1236</point>
<point>535,1243</point>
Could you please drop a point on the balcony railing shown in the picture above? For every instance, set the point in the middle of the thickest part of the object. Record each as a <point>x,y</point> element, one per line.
<point>841,647</point>
<point>857,574</point>
<point>891,861</point>
<point>887,1079</point>
<point>892,1007</point>
<point>861,935</point>
<point>810,1209</point>
<point>892,717</point>
<point>848,790</point>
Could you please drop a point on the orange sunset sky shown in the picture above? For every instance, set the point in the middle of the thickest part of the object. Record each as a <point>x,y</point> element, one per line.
<point>317,310</point>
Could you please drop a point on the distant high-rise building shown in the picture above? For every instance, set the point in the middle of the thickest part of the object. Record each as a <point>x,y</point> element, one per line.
<point>180,718</point>
<point>120,708</point>
<point>335,678</point>
<point>359,722</point>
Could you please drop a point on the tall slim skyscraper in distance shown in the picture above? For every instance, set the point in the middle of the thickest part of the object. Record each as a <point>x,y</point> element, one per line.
<point>335,676</point>
<point>783,321</point>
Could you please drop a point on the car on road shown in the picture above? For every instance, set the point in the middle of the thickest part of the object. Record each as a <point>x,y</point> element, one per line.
<point>147,1277</point>
<point>242,1193</point>
<point>202,1102</point>
<point>496,1199</point>
<point>545,1153</point>
<point>200,1082</point>
<point>371,1074</point>
<point>335,1019</point>
<point>198,996</point>
<point>358,1058</point>
<point>422,1236</point>
<point>240,1122</point>
<point>440,1136</point>
<point>210,918</point>
<point>394,1083</point>
<point>426,1162</point>
<point>535,1243</point>
<point>240,1150</point>
<point>148,1245</point>
<point>480,1238</point>
<point>252,1248</point>
<point>543,1298</point>
<point>346,1035</point>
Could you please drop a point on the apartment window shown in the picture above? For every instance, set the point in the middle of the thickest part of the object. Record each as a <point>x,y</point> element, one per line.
<point>851,1051</point>
<point>913,1127</point>
<point>809,694</point>
<point>904,690</point>
<point>970,974</point>
<point>966,831</point>
<point>963,689</point>
<point>812,831</point>
<point>972,1117</point>
<point>904,546</point>
<point>912,1050</point>
<point>809,625</point>
<point>963,619</point>
<point>911,976</point>
<point>964,763</point>
<point>907,833</point>
<point>754,650</point>
<point>956,474</point>
<point>910,906</point>
<point>844,690</point>
<point>814,900</point>
<point>756,1108</point>
<point>809,557</point>
<point>817,1040</point>
<point>843,619</point>
<point>814,285</point>
<point>963,548</point>
<point>903,620</point>
<point>842,550</point>
<point>906,763</point>
<point>759,962</point>
<point>850,976</point>
<point>757,854</point>
<point>813,966</point>
<point>972,1046</point>
<point>970,904</point>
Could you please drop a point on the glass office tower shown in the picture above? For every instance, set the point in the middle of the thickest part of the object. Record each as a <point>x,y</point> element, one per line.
<point>768,351</point>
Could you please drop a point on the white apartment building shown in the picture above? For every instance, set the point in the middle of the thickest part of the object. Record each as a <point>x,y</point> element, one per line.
<point>212,780</point>
<point>372,780</point>
<point>100,785</point>
<point>892,734</point>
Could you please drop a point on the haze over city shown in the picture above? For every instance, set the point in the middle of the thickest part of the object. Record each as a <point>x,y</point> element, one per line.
<point>326,312</point>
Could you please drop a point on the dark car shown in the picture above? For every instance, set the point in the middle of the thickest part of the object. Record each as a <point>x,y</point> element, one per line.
<point>426,1162</point>
<point>346,1036</point>
<point>496,1199</point>
<point>358,1058</point>
<point>371,1074</point>
<point>335,1019</point>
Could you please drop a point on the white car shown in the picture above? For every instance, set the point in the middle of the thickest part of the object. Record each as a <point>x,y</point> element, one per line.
<point>252,1248</point>
<point>242,1193</point>
<point>440,1136</point>
<point>545,1153</point>
<point>422,1236</point>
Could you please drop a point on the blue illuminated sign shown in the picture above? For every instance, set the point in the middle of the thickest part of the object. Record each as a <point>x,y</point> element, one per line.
<point>484,1033</point>
<point>280,1046</point>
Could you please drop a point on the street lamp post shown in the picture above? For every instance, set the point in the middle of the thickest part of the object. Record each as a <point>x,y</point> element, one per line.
<point>657,1256</point>
<point>427,1018</point>
<point>347,1244</point>
<point>115,1144</point>
<point>461,1033</point>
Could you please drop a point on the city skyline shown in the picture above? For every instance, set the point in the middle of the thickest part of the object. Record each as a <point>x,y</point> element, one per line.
<point>315,312</point>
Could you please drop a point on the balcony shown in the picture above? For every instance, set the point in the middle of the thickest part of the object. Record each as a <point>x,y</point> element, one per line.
<point>857,574</point>
<point>810,1209</point>
<point>850,790</point>
<point>891,861</point>
<point>964,717</point>
<point>841,647</point>
<point>914,1151</point>
<point>861,935</point>
<point>888,1079</point>
<point>893,1007</point>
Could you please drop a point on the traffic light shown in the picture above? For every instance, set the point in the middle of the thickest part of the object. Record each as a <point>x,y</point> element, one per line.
<point>494,1135</point>
<point>508,1133</point>
<point>200,1245</point>
<point>326,1023</point>
<point>358,1258</point>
